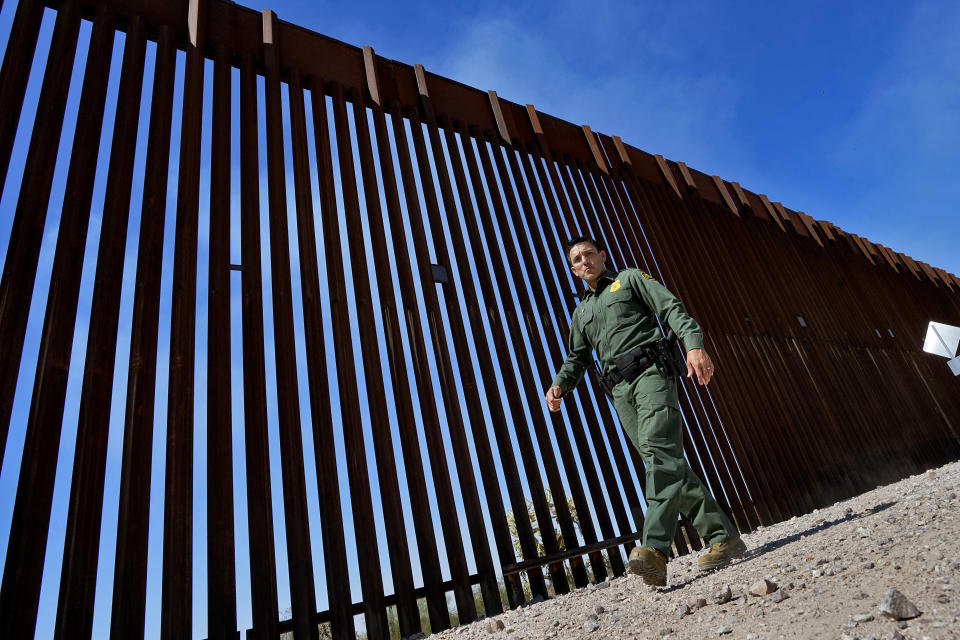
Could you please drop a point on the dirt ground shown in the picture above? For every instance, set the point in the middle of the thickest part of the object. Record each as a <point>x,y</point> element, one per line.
<point>828,573</point>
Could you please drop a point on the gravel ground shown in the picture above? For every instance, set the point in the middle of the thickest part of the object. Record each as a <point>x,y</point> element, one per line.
<point>825,575</point>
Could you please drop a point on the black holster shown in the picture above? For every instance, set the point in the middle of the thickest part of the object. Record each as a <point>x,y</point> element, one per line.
<point>602,379</point>
<point>666,354</point>
<point>669,356</point>
<point>627,366</point>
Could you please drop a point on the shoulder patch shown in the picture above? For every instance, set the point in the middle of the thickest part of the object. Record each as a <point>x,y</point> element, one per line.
<point>615,286</point>
<point>646,275</point>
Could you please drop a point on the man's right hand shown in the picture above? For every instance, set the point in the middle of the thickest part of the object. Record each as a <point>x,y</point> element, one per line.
<point>553,398</point>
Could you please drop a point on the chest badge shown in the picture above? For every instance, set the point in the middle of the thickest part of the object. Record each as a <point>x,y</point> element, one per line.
<point>615,286</point>
<point>646,275</point>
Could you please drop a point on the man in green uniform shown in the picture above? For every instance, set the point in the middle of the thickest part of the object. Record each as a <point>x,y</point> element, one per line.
<point>617,318</point>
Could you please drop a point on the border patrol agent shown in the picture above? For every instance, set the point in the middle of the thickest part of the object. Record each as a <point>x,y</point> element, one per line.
<point>617,317</point>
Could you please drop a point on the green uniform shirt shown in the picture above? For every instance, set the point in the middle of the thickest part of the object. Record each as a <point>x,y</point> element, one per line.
<point>619,316</point>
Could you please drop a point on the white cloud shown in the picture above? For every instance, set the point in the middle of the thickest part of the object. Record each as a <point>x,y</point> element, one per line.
<point>622,74</point>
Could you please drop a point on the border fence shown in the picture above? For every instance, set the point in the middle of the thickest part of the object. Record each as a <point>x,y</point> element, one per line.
<point>277,315</point>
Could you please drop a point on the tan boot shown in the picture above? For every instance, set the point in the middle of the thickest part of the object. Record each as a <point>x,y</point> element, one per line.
<point>649,564</point>
<point>721,554</point>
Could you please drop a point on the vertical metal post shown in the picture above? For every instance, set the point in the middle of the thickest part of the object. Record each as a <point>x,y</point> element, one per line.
<point>221,552</point>
<point>26,233</point>
<point>176,613</point>
<point>79,573</point>
<point>263,573</point>
<point>299,556</point>
<point>130,568</point>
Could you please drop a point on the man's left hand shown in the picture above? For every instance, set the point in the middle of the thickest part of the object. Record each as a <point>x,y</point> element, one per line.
<point>699,363</point>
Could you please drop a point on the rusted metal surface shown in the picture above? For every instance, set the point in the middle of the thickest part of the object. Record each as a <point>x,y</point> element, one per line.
<point>490,595</point>
<point>400,559</point>
<point>297,530</point>
<point>26,234</point>
<point>436,207</point>
<point>31,516</point>
<point>436,339</point>
<point>371,578</point>
<point>130,582</point>
<point>334,552</point>
<point>14,73</point>
<point>221,552</point>
<point>427,548</point>
<point>425,398</point>
<point>260,527</point>
<point>177,581</point>
<point>78,579</point>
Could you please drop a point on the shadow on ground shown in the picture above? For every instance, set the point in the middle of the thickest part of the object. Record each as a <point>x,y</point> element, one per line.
<point>782,542</point>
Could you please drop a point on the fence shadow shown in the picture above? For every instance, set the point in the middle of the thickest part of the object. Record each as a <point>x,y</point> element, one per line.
<point>782,542</point>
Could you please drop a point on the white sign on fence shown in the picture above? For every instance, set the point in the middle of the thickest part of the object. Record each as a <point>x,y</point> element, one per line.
<point>942,340</point>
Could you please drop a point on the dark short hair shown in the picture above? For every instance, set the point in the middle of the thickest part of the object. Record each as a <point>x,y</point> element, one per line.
<point>572,242</point>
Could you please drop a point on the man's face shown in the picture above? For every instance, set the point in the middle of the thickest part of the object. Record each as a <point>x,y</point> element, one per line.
<point>586,262</point>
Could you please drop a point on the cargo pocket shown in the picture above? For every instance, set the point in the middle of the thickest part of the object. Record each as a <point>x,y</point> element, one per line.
<point>652,391</point>
<point>659,435</point>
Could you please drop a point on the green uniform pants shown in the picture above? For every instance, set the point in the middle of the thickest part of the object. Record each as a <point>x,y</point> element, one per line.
<point>650,414</point>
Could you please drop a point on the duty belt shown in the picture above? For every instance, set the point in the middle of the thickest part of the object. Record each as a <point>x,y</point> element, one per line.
<point>628,366</point>
<point>665,353</point>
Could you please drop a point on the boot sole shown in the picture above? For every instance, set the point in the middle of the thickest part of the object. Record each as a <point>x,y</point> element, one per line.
<point>717,564</point>
<point>650,575</point>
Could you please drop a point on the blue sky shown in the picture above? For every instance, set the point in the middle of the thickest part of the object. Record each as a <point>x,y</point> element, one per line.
<point>846,111</point>
<point>848,115</point>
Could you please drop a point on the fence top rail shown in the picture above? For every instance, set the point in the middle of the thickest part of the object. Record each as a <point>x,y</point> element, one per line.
<point>322,60</point>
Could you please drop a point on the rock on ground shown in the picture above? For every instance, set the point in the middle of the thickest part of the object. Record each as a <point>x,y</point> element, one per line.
<point>827,574</point>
